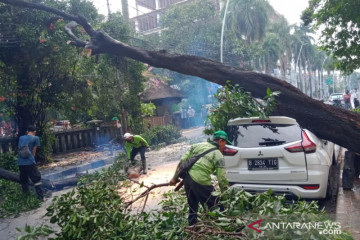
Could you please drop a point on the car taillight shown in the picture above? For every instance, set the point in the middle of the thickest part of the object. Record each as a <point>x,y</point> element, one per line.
<point>261,121</point>
<point>310,187</point>
<point>306,145</point>
<point>229,152</point>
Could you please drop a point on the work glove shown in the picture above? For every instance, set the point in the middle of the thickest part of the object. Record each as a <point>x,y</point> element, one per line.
<point>173,181</point>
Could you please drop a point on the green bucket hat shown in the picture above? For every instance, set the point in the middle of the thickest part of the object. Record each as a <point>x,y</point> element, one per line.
<point>222,135</point>
<point>114,118</point>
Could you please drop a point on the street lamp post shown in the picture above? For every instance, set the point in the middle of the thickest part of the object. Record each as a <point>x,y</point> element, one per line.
<point>297,62</point>
<point>222,32</point>
<point>321,84</point>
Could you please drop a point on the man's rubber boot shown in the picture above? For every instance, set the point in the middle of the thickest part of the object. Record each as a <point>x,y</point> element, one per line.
<point>144,167</point>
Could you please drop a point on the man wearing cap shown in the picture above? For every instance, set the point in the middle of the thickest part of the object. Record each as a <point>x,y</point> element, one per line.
<point>197,182</point>
<point>136,144</point>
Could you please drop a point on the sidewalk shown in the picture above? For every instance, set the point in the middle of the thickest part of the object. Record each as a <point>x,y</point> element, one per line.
<point>161,163</point>
<point>348,209</point>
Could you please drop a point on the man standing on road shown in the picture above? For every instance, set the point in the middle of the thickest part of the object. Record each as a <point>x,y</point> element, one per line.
<point>356,98</point>
<point>191,115</point>
<point>136,144</point>
<point>197,182</point>
<point>184,117</point>
<point>347,98</point>
<point>28,145</point>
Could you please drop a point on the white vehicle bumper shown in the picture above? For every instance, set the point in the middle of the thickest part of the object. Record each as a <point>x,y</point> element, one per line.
<point>317,176</point>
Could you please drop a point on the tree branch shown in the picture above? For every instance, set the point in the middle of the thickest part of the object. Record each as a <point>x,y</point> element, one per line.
<point>76,41</point>
<point>328,122</point>
<point>79,19</point>
<point>145,194</point>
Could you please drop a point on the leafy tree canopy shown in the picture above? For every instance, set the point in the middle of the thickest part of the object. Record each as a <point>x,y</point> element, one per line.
<point>43,77</point>
<point>339,23</point>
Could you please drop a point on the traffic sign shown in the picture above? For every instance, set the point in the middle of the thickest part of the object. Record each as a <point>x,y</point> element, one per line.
<point>329,81</point>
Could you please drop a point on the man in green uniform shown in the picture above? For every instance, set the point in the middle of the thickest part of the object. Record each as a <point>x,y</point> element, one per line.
<point>197,182</point>
<point>136,144</point>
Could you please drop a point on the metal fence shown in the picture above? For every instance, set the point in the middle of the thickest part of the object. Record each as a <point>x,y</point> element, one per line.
<point>70,140</point>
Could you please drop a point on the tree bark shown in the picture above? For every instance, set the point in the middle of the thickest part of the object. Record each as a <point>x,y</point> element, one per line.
<point>7,175</point>
<point>334,124</point>
<point>24,115</point>
<point>11,176</point>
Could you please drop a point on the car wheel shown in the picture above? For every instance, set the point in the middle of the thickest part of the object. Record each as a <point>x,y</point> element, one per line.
<point>333,180</point>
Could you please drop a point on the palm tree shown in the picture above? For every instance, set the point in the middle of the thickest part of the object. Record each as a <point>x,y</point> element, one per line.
<point>300,44</point>
<point>282,29</point>
<point>248,19</point>
<point>309,52</point>
<point>272,51</point>
<point>316,67</point>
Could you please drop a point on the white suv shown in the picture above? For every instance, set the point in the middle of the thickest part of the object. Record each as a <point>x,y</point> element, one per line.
<point>277,153</point>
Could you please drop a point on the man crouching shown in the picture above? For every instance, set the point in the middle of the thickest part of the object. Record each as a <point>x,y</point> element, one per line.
<point>197,182</point>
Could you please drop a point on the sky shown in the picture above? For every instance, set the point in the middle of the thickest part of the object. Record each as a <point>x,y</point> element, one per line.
<point>291,9</point>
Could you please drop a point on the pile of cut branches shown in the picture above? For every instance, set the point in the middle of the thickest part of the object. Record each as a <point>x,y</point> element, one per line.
<point>96,210</point>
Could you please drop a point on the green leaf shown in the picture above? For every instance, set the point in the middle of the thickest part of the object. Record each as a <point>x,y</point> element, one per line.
<point>222,224</point>
<point>27,228</point>
<point>224,219</point>
<point>212,214</point>
<point>216,193</point>
<point>268,91</point>
<point>239,221</point>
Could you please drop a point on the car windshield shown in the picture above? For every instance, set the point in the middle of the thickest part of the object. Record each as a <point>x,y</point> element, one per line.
<point>263,135</point>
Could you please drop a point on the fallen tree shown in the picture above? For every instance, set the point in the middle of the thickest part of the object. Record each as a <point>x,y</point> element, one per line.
<point>337,125</point>
<point>47,184</point>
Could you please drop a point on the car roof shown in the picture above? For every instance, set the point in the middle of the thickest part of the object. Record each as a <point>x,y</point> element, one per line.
<point>273,120</point>
<point>333,94</point>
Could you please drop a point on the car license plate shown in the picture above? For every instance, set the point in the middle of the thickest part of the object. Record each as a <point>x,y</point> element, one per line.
<point>263,164</point>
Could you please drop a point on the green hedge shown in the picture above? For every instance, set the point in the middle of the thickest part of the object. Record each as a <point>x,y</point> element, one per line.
<point>8,161</point>
<point>161,134</point>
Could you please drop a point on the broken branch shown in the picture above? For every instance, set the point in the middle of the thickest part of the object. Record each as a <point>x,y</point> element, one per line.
<point>145,193</point>
<point>76,41</point>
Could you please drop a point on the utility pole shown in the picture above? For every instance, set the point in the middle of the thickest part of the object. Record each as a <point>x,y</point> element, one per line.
<point>108,7</point>
<point>125,9</point>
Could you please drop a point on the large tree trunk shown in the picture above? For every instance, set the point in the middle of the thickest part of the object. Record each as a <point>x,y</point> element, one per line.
<point>337,125</point>
<point>24,115</point>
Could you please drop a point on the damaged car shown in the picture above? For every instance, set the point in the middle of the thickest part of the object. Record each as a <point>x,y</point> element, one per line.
<point>276,153</point>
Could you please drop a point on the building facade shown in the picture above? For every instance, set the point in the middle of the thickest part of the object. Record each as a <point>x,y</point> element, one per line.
<point>148,13</point>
